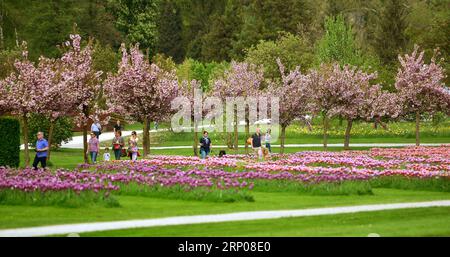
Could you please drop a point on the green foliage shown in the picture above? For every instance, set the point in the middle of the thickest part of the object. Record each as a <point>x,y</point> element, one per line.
<point>170,31</point>
<point>438,120</point>
<point>196,16</point>
<point>62,131</point>
<point>291,49</point>
<point>338,44</point>
<point>137,20</point>
<point>45,24</point>
<point>324,188</point>
<point>105,58</point>
<point>390,38</point>
<point>217,43</point>
<point>438,184</point>
<point>95,20</point>
<point>263,20</point>
<point>7,58</point>
<point>205,72</point>
<point>367,130</point>
<point>373,34</point>
<point>429,26</point>
<point>165,63</point>
<point>180,192</point>
<point>67,199</point>
<point>10,149</point>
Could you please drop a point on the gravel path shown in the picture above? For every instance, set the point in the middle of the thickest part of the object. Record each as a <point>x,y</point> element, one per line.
<point>183,220</point>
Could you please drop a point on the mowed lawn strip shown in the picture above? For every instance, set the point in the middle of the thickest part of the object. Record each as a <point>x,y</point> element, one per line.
<point>147,207</point>
<point>434,221</point>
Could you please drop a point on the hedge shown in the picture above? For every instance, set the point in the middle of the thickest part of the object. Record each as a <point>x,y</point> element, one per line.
<point>10,147</point>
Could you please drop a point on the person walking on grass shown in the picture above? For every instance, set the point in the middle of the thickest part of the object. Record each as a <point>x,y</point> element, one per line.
<point>41,151</point>
<point>118,127</point>
<point>133,150</point>
<point>267,139</point>
<point>106,155</point>
<point>118,144</point>
<point>96,128</point>
<point>94,147</point>
<point>205,145</point>
<point>256,143</point>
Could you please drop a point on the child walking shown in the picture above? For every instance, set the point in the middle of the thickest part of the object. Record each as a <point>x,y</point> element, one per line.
<point>106,155</point>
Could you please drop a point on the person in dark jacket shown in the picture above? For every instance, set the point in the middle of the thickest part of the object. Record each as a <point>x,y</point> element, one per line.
<point>256,143</point>
<point>205,145</point>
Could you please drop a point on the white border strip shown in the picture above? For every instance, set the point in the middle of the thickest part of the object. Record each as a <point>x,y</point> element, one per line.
<point>184,220</point>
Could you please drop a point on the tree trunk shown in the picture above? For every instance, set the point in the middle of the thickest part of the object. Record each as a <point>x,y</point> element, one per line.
<point>283,137</point>
<point>195,145</point>
<point>247,133</point>
<point>146,137</point>
<point>325,132</point>
<point>347,134</point>
<point>85,143</point>
<point>236,135</point>
<point>25,140</point>
<point>50,136</point>
<point>229,140</point>
<point>417,128</point>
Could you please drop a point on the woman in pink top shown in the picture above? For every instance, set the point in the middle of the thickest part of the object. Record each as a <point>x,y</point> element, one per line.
<point>94,147</point>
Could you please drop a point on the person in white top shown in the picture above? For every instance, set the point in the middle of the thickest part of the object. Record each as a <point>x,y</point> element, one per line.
<point>267,138</point>
<point>106,155</point>
<point>96,128</point>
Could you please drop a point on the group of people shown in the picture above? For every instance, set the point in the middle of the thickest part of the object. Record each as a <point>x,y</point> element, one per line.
<point>118,144</point>
<point>255,141</point>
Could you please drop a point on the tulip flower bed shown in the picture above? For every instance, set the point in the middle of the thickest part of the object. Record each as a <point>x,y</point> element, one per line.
<point>348,172</point>
<point>27,186</point>
<point>232,178</point>
<point>143,178</point>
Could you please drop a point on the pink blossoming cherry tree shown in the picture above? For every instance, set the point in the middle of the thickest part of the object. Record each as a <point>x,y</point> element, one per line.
<point>294,92</point>
<point>241,80</point>
<point>421,86</point>
<point>140,91</point>
<point>82,84</point>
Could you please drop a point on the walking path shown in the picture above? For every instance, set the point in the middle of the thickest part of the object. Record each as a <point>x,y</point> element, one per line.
<point>314,145</point>
<point>184,220</point>
<point>77,141</point>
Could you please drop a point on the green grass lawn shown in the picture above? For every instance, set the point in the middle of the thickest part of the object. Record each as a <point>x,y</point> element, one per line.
<point>61,158</point>
<point>433,221</point>
<point>411,222</point>
<point>70,158</point>
<point>398,132</point>
<point>134,207</point>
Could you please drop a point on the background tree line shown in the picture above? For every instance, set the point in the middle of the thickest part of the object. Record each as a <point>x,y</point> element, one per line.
<point>223,30</point>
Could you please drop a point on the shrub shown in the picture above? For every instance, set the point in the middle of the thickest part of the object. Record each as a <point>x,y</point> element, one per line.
<point>10,149</point>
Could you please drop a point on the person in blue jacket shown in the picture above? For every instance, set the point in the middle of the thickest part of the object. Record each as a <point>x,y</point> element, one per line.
<point>41,151</point>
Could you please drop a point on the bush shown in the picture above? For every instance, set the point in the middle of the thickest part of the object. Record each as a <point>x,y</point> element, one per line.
<point>10,149</point>
<point>62,131</point>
